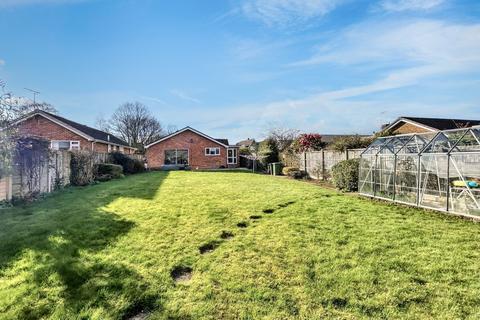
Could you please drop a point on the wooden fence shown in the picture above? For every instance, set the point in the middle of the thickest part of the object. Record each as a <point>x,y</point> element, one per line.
<point>53,174</point>
<point>318,164</point>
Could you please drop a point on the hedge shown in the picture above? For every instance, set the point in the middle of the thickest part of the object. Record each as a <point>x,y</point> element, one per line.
<point>108,171</point>
<point>345,175</point>
<point>81,168</point>
<point>129,165</point>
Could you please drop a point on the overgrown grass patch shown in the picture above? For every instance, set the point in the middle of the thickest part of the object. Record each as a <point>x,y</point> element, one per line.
<point>132,247</point>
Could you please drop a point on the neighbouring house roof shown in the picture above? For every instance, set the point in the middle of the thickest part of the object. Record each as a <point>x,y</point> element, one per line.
<point>245,143</point>
<point>435,124</point>
<point>87,132</point>
<point>222,142</point>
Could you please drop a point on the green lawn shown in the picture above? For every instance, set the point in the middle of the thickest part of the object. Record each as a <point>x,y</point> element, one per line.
<point>108,252</point>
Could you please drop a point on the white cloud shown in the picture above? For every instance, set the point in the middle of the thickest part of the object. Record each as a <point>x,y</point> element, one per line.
<point>411,53</point>
<point>440,46</point>
<point>14,3</point>
<point>287,12</point>
<point>184,96</point>
<point>154,99</point>
<point>409,5</point>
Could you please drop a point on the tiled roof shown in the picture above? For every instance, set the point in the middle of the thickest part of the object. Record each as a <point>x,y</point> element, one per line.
<point>89,131</point>
<point>443,124</point>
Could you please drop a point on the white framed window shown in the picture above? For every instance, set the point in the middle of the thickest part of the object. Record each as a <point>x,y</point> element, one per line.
<point>232,156</point>
<point>65,145</point>
<point>212,151</point>
<point>74,145</point>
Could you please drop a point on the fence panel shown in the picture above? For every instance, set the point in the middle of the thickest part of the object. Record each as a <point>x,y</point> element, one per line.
<point>52,174</point>
<point>5,189</point>
<point>318,164</point>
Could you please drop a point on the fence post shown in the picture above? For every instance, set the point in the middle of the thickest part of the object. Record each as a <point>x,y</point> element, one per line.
<point>323,164</point>
<point>346,154</point>
<point>9,182</point>
<point>305,161</point>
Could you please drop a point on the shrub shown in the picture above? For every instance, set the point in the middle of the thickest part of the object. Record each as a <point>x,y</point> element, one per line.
<point>292,172</point>
<point>129,165</point>
<point>81,167</point>
<point>309,142</point>
<point>108,171</point>
<point>345,175</point>
<point>350,142</point>
<point>287,170</point>
<point>269,151</point>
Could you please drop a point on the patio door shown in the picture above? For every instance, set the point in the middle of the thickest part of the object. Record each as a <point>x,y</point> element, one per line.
<point>176,157</point>
<point>232,156</point>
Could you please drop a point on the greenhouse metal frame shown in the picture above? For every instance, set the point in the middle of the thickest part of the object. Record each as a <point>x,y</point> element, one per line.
<point>439,170</point>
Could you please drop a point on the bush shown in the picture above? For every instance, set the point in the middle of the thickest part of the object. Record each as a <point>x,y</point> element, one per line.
<point>350,142</point>
<point>287,170</point>
<point>292,172</point>
<point>269,150</point>
<point>129,165</point>
<point>309,142</point>
<point>81,167</point>
<point>345,175</point>
<point>108,171</point>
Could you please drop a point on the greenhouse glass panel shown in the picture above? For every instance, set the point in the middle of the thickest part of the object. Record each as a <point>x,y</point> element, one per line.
<point>365,178</point>
<point>444,141</point>
<point>464,183</point>
<point>385,166</point>
<point>406,173</point>
<point>464,174</point>
<point>469,142</point>
<point>433,181</point>
<point>384,172</point>
<point>406,177</point>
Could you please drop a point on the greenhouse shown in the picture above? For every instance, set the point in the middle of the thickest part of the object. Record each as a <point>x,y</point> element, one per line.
<point>439,171</point>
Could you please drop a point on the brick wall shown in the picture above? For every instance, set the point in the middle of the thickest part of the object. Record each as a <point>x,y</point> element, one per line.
<point>195,144</point>
<point>42,127</point>
<point>100,147</point>
<point>405,128</point>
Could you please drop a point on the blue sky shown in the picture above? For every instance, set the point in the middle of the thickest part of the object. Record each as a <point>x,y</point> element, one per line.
<point>237,68</point>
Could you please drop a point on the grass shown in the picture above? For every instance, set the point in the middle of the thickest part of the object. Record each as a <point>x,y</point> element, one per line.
<point>198,245</point>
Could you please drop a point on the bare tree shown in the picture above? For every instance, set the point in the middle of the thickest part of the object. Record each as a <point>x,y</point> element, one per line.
<point>283,137</point>
<point>103,124</point>
<point>135,124</point>
<point>7,142</point>
<point>12,107</point>
<point>171,128</point>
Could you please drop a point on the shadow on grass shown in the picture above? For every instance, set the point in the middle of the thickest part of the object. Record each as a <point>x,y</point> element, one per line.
<point>58,239</point>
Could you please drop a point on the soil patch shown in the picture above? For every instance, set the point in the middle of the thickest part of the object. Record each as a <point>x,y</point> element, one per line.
<point>208,247</point>
<point>181,273</point>
<point>226,235</point>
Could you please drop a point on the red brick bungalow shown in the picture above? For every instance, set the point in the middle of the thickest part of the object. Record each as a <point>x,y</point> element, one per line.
<point>65,134</point>
<point>192,148</point>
